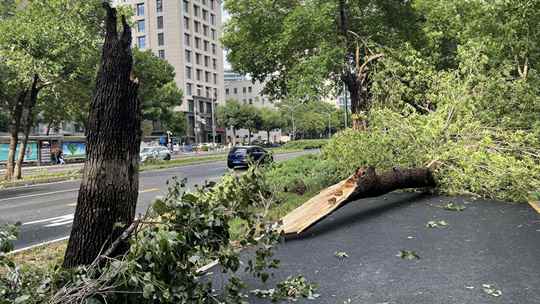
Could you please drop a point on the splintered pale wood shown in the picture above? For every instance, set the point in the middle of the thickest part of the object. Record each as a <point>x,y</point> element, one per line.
<point>364,183</point>
<point>535,205</point>
<point>318,207</point>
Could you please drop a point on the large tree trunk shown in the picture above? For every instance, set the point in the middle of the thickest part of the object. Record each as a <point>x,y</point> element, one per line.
<point>364,183</point>
<point>28,119</point>
<point>14,127</point>
<point>110,183</point>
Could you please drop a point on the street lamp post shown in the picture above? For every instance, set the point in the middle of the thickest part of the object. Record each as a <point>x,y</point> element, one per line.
<point>329,126</point>
<point>213,123</point>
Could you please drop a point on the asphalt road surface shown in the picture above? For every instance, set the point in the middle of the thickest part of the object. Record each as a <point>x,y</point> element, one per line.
<point>46,210</point>
<point>489,242</point>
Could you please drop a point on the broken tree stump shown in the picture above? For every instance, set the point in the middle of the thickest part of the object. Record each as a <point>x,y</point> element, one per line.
<point>364,183</point>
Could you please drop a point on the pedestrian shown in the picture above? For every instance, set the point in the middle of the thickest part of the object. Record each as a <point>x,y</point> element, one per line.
<point>60,158</point>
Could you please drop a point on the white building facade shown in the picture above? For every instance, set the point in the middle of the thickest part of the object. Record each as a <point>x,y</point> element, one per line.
<point>186,33</point>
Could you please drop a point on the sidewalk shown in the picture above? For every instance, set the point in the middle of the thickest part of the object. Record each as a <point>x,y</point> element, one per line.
<point>77,166</point>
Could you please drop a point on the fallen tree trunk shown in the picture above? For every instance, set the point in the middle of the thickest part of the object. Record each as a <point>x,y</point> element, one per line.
<point>364,183</point>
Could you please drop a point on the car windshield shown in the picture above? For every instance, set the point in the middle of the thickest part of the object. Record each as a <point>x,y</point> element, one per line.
<point>241,151</point>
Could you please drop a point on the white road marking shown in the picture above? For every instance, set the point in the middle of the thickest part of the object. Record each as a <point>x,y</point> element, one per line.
<point>51,219</point>
<point>68,218</point>
<point>39,194</point>
<point>38,245</point>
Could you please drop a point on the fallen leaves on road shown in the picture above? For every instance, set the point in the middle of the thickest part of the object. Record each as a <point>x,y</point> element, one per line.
<point>491,290</point>
<point>437,224</point>
<point>408,255</point>
<point>453,207</point>
<point>341,254</point>
<point>291,289</point>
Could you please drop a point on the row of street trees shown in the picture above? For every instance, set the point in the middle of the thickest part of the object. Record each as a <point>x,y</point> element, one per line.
<point>301,120</point>
<point>47,72</point>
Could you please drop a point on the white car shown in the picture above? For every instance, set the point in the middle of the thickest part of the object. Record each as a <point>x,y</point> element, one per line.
<point>158,153</point>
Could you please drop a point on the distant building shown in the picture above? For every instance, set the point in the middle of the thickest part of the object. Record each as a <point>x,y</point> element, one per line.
<point>186,34</point>
<point>246,91</point>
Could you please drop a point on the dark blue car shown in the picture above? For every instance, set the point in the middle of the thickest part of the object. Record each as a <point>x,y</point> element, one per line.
<point>240,156</point>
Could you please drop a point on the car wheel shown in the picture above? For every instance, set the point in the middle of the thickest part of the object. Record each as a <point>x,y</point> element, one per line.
<point>167,157</point>
<point>230,165</point>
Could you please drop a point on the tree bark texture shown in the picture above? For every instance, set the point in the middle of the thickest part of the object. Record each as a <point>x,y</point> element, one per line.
<point>27,120</point>
<point>109,187</point>
<point>14,127</point>
<point>370,184</point>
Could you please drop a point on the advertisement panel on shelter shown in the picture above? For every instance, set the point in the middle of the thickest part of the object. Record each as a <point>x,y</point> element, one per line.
<point>31,152</point>
<point>74,149</point>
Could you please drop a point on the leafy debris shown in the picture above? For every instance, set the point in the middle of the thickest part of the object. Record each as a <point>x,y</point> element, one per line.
<point>491,290</point>
<point>437,224</point>
<point>453,207</point>
<point>341,254</point>
<point>291,289</point>
<point>408,255</point>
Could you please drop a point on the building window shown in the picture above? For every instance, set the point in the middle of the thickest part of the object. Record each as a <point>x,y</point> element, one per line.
<point>186,23</point>
<point>199,72</point>
<point>249,89</point>
<point>235,90</point>
<point>205,15</point>
<point>161,39</point>
<point>196,10</point>
<point>215,93</point>
<point>140,26</point>
<point>204,2</point>
<point>197,58</point>
<point>141,42</point>
<point>244,90</point>
<point>250,101</point>
<point>205,30</point>
<point>214,48</point>
<point>161,54</point>
<point>198,90</point>
<point>207,76</point>
<point>188,89</point>
<point>140,9</point>
<point>197,42</point>
<point>188,72</point>
<point>186,7</point>
<point>214,35</point>
<point>212,19</point>
<point>208,108</point>
<point>196,26</point>
<point>206,44</point>
<point>214,64</point>
<point>215,78</point>
<point>186,39</point>
<point>160,22</point>
<point>206,61</point>
<point>159,6</point>
<point>188,56</point>
<point>191,106</point>
<point>212,4</point>
<point>201,106</point>
<point>208,89</point>
<point>227,91</point>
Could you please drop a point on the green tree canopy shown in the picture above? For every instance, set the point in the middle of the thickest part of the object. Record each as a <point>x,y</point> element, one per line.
<point>158,90</point>
<point>304,48</point>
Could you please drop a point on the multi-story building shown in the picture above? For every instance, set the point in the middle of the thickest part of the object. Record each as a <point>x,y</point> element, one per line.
<point>242,89</point>
<point>186,34</point>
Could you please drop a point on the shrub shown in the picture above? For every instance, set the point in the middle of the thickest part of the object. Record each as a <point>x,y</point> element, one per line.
<point>306,144</point>
<point>306,173</point>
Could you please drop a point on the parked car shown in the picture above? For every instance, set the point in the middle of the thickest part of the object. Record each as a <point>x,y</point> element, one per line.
<point>240,156</point>
<point>157,153</point>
